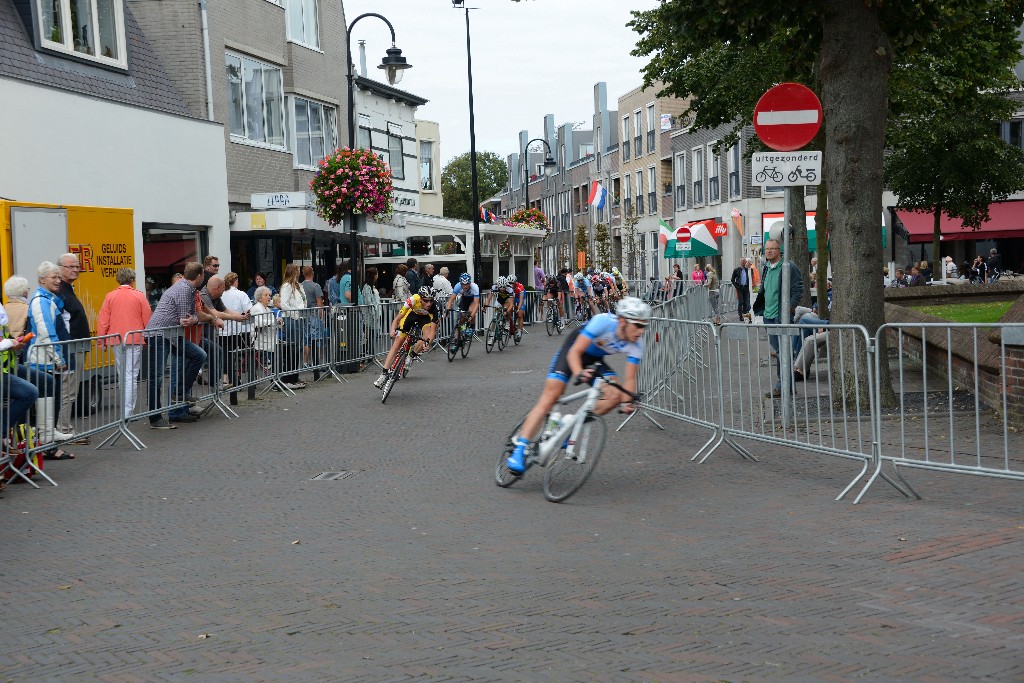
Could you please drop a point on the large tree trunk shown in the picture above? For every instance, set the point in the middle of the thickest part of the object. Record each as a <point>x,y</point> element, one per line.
<point>798,240</point>
<point>856,59</point>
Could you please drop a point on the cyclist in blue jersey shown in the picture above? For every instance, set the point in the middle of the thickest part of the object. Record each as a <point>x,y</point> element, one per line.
<point>467,293</point>
<point>606,334</point>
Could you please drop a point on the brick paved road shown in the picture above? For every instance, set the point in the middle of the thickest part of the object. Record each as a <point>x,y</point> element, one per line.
<point>419,568</point>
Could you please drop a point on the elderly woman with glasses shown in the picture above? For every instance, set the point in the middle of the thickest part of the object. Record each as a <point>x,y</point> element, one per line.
<point>45,352</point>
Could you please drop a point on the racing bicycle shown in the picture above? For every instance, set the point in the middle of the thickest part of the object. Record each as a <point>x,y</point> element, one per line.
<point>461,339</point>
<point>570,444</point>
<point>552,321</point>
<point>497,331</point>
<point>403,359</point>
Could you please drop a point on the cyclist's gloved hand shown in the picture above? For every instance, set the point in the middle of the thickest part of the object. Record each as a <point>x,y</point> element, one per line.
<point>585,376</point>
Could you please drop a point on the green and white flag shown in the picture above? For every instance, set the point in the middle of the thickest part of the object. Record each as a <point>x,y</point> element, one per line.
<point>667,237</point>
<point>701,242</point>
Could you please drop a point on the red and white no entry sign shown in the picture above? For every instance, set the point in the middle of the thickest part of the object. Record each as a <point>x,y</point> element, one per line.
<point>787,117</point>
<point>683,234</point>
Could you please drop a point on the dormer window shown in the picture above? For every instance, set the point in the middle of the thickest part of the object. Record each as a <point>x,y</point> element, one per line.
<point>87,29</point>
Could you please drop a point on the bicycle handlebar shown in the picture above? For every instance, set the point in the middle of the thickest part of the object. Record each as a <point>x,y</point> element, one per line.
<point>598,368</point>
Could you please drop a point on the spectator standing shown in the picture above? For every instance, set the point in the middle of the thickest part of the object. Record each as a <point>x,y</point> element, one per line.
<point>995,265</point>
<point>333,288</point>
<point>152,295</point>
<point>265,324</point>
<point>401,288</point>
<point>78,327</point>
<point>442,284</point>
<point>345,284</point>
<point>924,271</point>
<point>293,300</point>
<point>769,300</point>
<point>260,280</point>
<point>46,321</point>
<point>370,298</point>
<point>697,276</point>
<point>741,283</point>
<point>412,276</point>
<point>211,266</point>
<point>714,291</point>
<point>539,278</point>
<point>177,307</point>
<point>427,276</point>
<point>677,272</point>
<point>979,270</point>
<point>235,334</point>
<point>314,292</point>
<point>125,311</point>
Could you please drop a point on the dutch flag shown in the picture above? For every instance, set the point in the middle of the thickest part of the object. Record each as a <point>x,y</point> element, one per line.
<point>597,195</point>
<point>487,216</point>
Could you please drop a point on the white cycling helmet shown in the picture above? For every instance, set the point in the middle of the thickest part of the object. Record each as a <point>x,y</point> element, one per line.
<point>633,309</point>
<point>511,279</point>
<point>502,281</point>
<point>579,275</point>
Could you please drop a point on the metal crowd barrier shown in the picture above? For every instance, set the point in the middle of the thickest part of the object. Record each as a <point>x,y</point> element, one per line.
<point>959,413</point>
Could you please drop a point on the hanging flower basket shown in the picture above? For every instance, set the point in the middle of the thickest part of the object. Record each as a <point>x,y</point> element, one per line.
<point>530,218</point>
<point>505,248</point>
<point>355,180</point>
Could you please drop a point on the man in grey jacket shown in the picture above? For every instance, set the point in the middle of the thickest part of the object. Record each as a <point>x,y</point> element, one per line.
<point>769,299</point>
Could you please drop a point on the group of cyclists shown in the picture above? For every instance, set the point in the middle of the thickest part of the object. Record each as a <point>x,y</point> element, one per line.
<point>619,330</point>
<point>588,292</point>
<point>422,310</point>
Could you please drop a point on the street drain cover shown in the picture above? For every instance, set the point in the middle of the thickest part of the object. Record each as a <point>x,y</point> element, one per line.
<point>335,476</point>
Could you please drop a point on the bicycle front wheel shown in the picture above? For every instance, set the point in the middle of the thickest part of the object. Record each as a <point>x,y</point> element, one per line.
<point>549,321</point>
<point>396,371</point>
<point>567,473</point>
<point>467,341</point>
<point>503,476</point>
<point>493,330</point>
<point>453,346</point>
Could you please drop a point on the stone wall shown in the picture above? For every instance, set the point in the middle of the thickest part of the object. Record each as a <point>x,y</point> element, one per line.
<point>967,351</point>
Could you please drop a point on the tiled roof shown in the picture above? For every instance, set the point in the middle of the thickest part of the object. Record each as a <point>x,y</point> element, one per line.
<point>146,84</point>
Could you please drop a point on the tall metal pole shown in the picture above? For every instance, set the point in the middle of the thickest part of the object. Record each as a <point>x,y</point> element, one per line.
<point>786,347</point>
<point>477,259</point>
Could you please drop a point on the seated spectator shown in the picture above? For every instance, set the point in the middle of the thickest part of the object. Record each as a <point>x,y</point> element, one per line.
<point>916,279</point>
<point>950,266</point>
<point>900,281</point>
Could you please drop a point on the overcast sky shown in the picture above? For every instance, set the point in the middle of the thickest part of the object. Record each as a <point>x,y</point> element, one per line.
<point>530,58</point>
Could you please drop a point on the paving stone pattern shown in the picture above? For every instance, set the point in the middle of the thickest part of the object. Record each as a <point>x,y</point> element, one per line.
<point>212,556</point>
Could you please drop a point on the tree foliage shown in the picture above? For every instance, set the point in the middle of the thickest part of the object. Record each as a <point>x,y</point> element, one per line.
<point>602,247</point>
<point>945,151</point>
<point>723,55</point>
<point>457,188</point>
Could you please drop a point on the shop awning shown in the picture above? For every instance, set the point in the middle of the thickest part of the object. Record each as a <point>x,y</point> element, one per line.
<point>1006,220</point>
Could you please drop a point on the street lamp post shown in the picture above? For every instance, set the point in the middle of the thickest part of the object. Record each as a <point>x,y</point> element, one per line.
<point>477,259</point>
<point>393,65</point>
<point>549,168</point>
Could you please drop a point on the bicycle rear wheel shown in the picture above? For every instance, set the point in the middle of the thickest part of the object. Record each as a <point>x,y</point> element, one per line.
<point>565,474</point>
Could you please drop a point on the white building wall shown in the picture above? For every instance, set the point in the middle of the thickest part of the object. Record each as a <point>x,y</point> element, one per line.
<point>381,111</point>
<point>64,148</point>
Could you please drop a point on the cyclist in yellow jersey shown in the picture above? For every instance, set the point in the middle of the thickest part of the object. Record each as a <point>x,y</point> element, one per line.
<point>419,308</point>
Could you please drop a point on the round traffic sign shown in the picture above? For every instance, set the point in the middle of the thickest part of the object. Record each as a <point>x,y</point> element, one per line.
<point>683,234</point>
<point>787,117</point>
